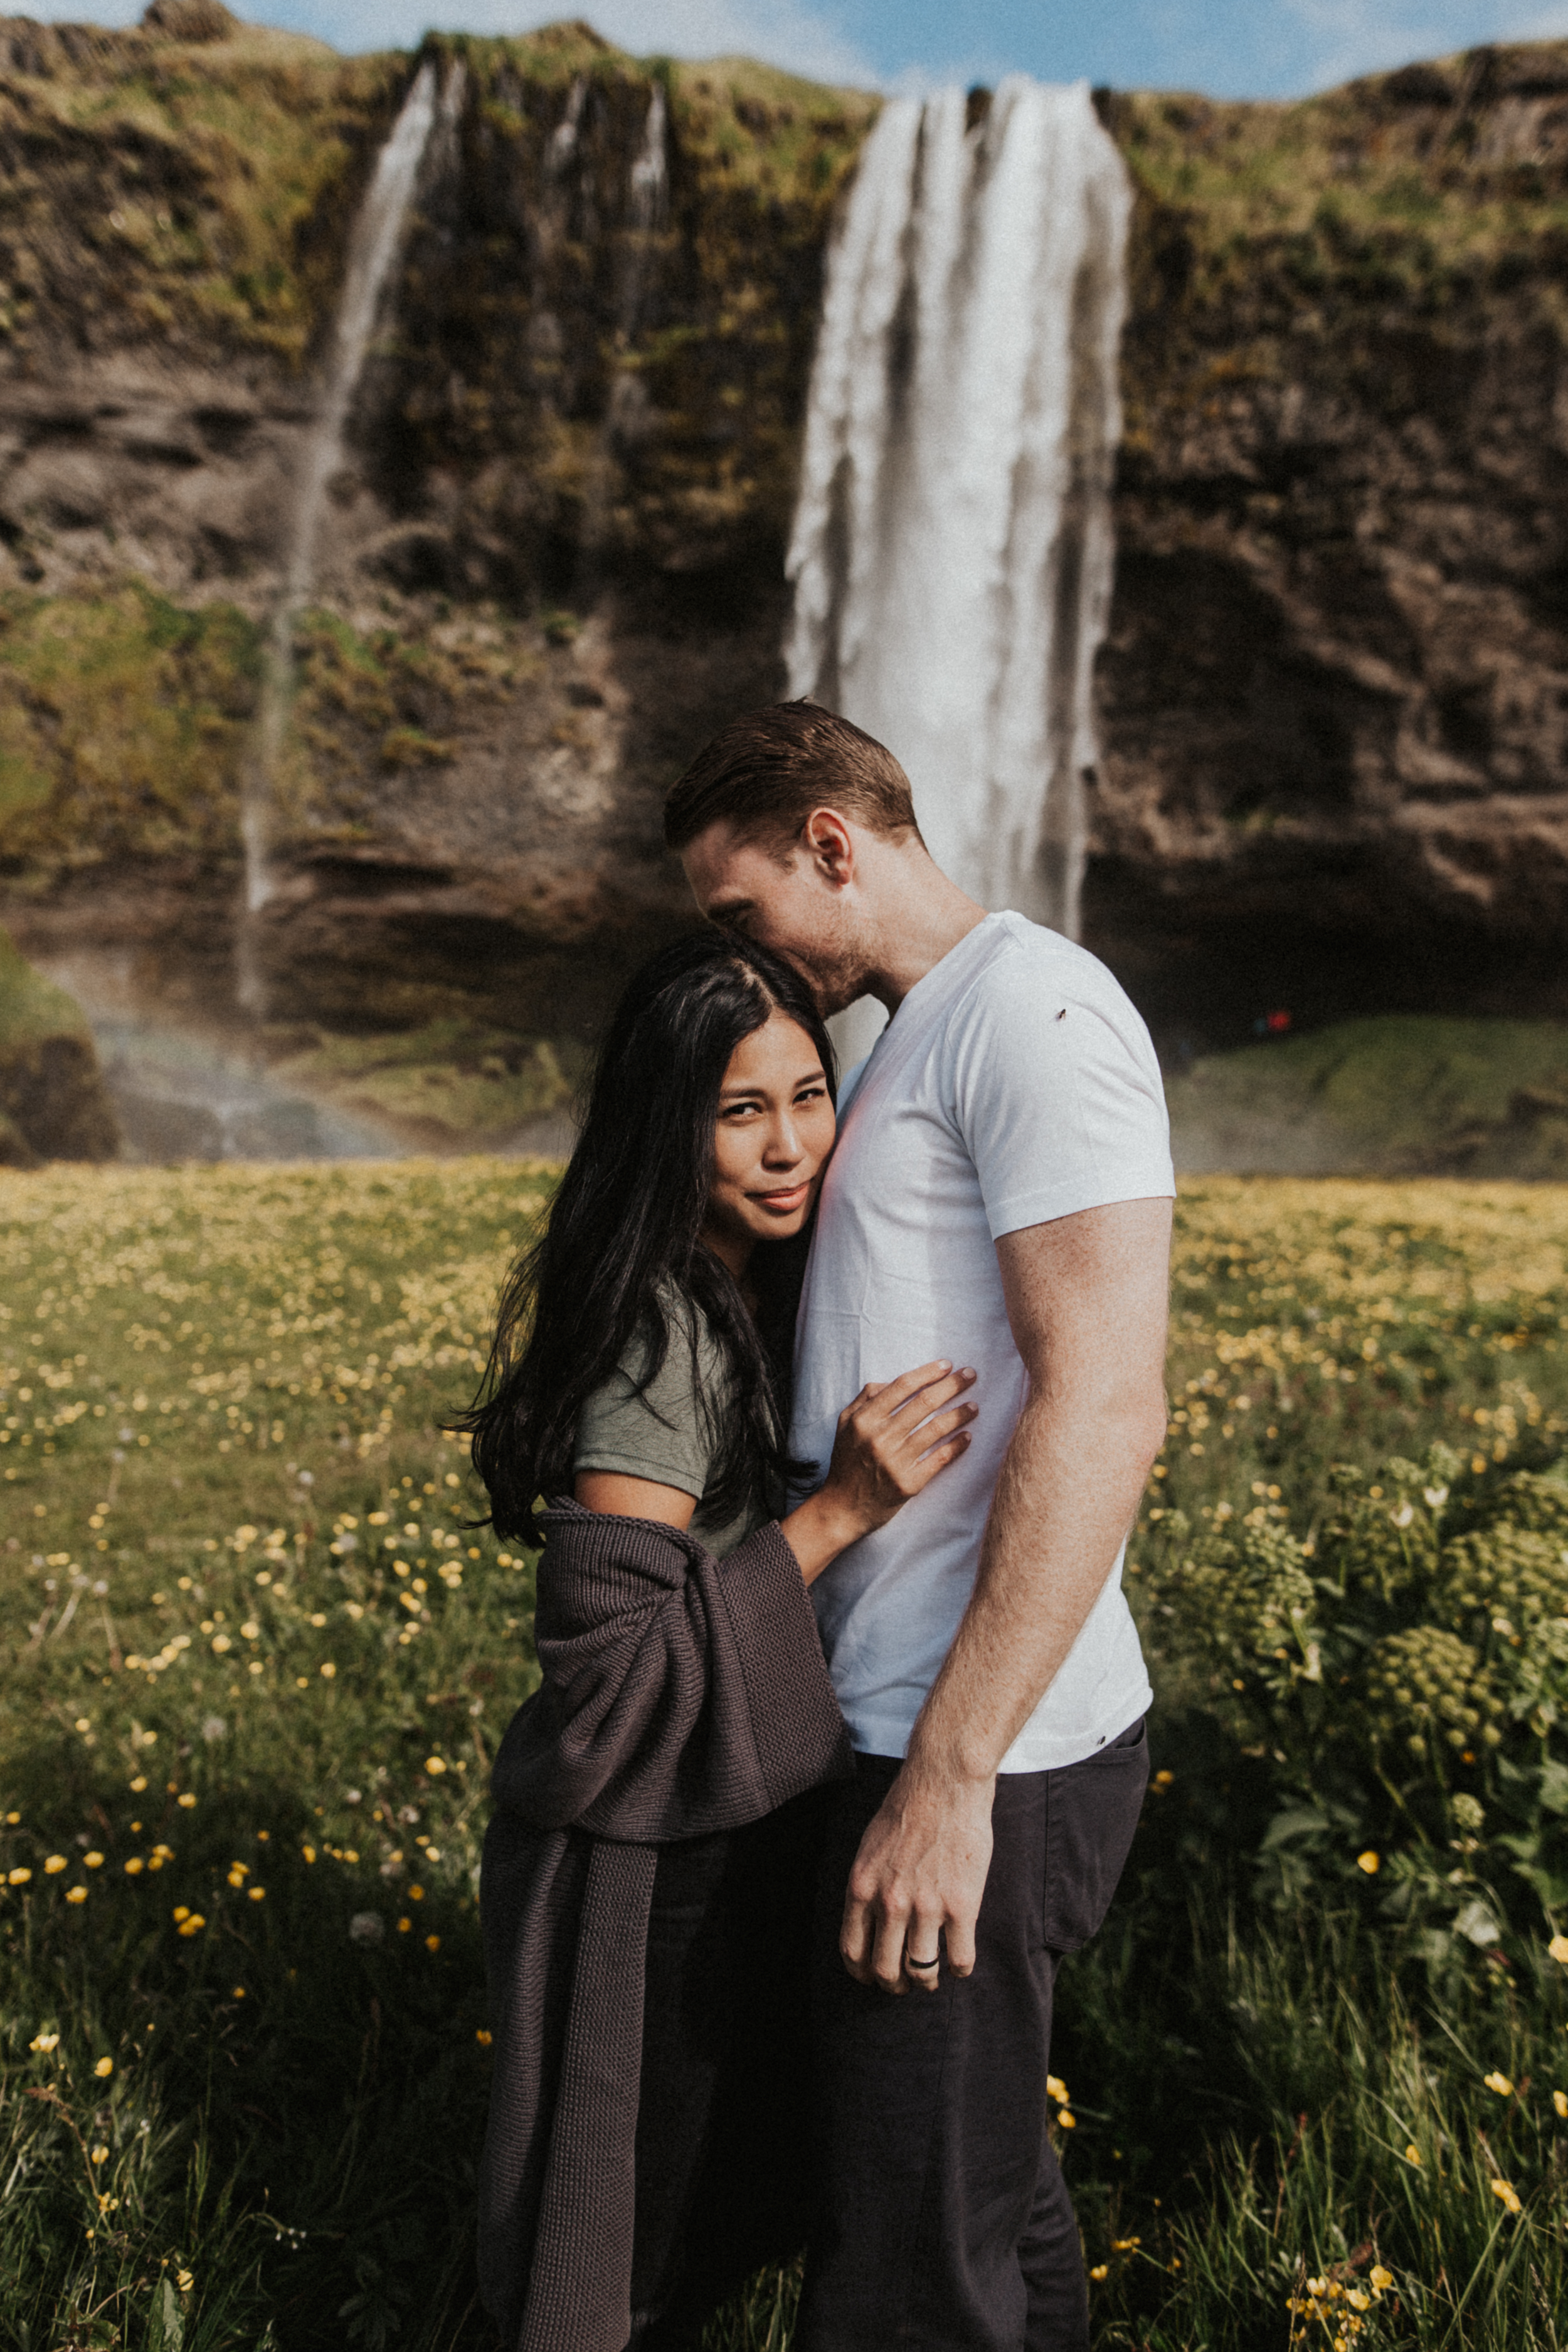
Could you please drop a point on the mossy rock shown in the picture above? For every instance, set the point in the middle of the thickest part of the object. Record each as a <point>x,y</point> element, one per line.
<point>53,1101</point>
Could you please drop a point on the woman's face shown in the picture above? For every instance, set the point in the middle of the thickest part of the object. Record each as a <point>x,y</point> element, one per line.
<point>771,1144</point>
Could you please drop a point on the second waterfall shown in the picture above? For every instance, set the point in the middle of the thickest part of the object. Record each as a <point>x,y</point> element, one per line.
<point>952,548</point>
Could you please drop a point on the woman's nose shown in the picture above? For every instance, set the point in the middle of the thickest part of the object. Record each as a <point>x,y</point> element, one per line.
<point>782,1147</point>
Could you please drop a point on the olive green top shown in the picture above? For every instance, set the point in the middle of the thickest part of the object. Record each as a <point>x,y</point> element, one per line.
<point>669,1432</point>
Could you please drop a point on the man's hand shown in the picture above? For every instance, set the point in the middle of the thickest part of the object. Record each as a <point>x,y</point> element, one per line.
<point>918,1878</point>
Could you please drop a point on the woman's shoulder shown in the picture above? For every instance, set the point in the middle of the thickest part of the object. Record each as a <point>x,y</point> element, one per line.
<point>661,1394</point>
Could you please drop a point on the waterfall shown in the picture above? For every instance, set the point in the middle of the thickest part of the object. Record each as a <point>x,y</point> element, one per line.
<point>952,548</point>
<point>373,250</point>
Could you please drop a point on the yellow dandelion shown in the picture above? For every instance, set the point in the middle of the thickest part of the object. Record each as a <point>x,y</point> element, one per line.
<point>1358,2298</point>
<point>100,2155</point>
<point>184,2281</point>
<point>1413,2155</point>
<point>1100,2271</point>
<point>434,1765</point>
<point>133,1866</point>
<point>1507,2196</point>
<point>1056,2088</point>
<point>103,2069</point>
<point>187,1799</point>
<point>45,2042</point>
<point>431,1943</point>
<point>1380,2279</point>
<point>1560,2102</point>
<point>239,1993</point>
<point>54,1865</point>
<point>194,1925</point>
<point>308,1852</point>
<point>328,1669</point>
<point>1558,1948</point>
<point>1500,2084</point>
<point>1068,2123</point>
<point>1124,2245</point>
<point>484,2037</point>
<point>19,1876</point>
<point>259,1894</point>
<point>93,1861</point>
<point>76,1895</point>
<point>1369,1862</point>
<point>403,1926</point>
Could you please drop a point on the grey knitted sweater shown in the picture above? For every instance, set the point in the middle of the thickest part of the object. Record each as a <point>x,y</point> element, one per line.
<point>682,1694</point>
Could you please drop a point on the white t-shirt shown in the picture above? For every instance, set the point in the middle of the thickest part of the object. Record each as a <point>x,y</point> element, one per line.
<point>1017,1083</point>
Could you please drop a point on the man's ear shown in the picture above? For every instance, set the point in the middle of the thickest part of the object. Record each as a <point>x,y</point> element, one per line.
<point>827,842</point>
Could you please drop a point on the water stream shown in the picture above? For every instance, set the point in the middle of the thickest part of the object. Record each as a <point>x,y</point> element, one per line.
<point>953,546</point>
<point>372,251</point>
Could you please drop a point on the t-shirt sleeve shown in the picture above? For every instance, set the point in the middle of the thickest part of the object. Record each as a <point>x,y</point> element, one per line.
<point>1058,1094</point>
<point>661,1434</point>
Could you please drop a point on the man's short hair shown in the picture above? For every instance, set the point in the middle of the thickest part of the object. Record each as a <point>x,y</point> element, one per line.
<point>766,771</point>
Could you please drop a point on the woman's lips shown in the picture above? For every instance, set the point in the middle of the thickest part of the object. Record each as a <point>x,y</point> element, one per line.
<point>781,1203</point>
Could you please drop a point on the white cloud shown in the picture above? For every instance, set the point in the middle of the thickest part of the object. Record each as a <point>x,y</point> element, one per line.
<point>780,32</point>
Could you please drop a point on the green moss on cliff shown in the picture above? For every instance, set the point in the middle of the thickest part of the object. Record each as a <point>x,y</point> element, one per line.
<point>1413,197</point>
<point>123,727</point>
<point>52,1100</point>
<point>194,192</point>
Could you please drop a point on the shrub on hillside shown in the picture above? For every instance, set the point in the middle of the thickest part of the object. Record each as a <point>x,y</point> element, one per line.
<point>1398,1678</point>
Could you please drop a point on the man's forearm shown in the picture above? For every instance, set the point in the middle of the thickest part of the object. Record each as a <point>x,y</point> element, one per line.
<point>1066,1497</point>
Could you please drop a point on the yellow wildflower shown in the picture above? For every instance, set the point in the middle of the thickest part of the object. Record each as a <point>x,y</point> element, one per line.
<point>1413,2154</point>
<point>1381,2280</point>
<point>76,1895</point>
<point>44,2041</point>
<point>1100,2271</point>
<point>1560,2101</point>
<point>185,2281</point>
<point>194,1925</point>
<point>434,1765</point>
<point>259,1894</point>
<point>484,2037</point>
<point>54,1865</point>
<point>1507,2195</point>
<point>1558,1948</point>
<point>1056,2088</point>
<point>19,1876</point>
<point>1369,1862</point>
<point>1068,2123</point>
<point>100,2155</point>
<point>1500,2084</point>
<point>431,1943</point>
<point>103,2069</point>
<point>93,1861</point>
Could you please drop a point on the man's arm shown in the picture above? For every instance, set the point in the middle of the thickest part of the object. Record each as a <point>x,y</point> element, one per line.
<point>1086,1298</point>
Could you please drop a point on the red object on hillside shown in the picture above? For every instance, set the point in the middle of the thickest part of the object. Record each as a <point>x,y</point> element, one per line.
<point>1278,1023</point>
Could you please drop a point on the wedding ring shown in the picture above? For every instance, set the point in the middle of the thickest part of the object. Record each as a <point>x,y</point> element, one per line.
<point>921,1967</point>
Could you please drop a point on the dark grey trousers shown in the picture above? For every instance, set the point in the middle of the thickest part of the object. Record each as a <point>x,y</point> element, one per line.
<point>943,2223</point>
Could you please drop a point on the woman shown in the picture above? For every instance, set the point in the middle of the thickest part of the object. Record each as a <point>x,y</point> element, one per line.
<point>645,1879</point>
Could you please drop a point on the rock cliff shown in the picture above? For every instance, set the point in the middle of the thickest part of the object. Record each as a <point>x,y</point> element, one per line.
<point>1336,688</point>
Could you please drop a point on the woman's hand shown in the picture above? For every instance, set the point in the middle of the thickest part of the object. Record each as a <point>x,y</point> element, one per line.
<point>893,1439</point>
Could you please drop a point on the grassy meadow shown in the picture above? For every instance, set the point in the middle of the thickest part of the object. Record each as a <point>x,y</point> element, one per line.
<point>1313,2076</point>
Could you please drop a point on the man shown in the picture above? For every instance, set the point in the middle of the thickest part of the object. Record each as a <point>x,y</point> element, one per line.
<point>1000,1195</point>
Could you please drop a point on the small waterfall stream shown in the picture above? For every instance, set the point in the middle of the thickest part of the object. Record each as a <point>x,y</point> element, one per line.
<point>372,251</point>
<point>952,545</point>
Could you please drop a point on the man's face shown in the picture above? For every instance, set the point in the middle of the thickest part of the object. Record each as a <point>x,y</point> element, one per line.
<point>782,896</point>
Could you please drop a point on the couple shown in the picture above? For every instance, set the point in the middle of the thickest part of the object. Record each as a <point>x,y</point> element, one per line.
<point>840,1420</point>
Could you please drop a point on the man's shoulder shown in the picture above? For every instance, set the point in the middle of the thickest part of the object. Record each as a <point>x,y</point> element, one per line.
<point>1034,971</point>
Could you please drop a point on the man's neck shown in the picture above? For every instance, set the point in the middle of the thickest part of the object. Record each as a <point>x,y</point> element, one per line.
<point>926,916</point>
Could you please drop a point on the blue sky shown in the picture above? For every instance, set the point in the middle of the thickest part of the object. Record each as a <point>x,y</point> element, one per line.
<point>1233,48</point>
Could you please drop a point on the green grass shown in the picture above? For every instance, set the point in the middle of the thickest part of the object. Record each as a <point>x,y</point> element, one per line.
<point>1401,1094</point>
<point>220,1391</point>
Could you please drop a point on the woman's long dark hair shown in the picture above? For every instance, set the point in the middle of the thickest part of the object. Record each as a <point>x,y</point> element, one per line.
<point>624,1234</point>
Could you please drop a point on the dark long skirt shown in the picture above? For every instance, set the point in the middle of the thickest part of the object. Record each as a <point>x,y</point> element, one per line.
<point>723,2174</point>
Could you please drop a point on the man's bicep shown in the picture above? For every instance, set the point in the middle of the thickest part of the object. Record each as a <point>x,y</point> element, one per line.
<point>1089,1294</point>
